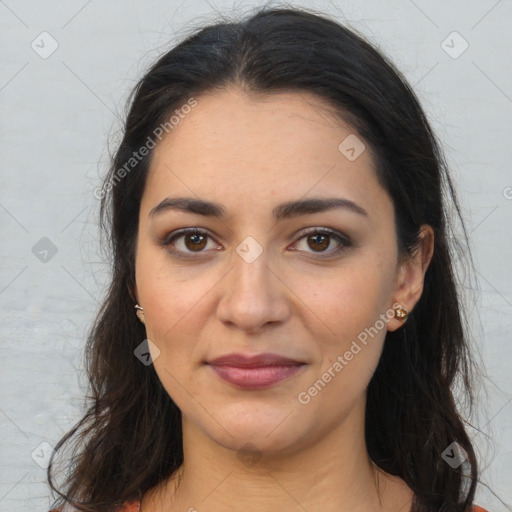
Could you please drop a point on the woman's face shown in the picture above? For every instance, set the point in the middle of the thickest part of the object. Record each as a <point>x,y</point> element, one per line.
<point>309,284</point>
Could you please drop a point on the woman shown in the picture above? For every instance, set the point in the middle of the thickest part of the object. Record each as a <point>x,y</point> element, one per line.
<point>283,329</point>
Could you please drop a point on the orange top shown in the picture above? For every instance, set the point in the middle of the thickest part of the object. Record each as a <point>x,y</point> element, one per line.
<point>134,506</point>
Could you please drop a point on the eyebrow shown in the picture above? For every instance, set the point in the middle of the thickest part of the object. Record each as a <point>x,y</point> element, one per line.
<point>283,211</point>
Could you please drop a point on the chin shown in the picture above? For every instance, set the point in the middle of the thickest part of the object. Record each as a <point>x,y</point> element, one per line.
<point>263,430</point>
<point>252,441</point>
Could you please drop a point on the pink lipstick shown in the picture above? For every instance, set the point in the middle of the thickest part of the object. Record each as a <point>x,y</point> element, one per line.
<point>254,372</point>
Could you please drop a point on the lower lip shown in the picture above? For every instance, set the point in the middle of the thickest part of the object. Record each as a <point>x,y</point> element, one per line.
<point>255,378</point>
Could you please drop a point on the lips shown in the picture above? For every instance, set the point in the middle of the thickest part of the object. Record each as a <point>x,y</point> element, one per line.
<point>254,372</point>
<point>248,361</point>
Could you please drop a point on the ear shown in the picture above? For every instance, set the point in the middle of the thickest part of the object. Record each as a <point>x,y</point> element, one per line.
<point>411,274</point>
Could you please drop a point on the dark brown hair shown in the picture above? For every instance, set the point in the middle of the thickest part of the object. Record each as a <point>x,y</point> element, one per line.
<point>129,439</point>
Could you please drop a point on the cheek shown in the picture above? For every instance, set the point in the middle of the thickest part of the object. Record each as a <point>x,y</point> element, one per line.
<point>351,306</point>
<point>349,358</point>
<point>172,324</point>
<point>171,318</point>
<point>348,300</point>
<point>169,302</point>
<point>171,294</point>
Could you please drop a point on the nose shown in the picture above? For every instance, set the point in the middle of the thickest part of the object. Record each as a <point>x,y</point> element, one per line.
<point>254,295</point>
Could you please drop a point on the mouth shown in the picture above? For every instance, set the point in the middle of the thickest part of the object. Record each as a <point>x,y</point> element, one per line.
<point>256,371</point>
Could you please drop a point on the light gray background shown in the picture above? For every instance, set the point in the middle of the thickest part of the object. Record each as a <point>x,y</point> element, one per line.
<point>58,112</point>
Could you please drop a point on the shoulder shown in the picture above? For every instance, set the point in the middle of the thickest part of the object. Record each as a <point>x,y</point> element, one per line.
<point>476,508</point>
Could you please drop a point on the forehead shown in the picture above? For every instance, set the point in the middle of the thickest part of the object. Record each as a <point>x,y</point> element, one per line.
<point>234,143</point>
<point>231,123</point>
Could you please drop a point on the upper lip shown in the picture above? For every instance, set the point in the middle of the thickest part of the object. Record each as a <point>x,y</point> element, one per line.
<point>253,361</point>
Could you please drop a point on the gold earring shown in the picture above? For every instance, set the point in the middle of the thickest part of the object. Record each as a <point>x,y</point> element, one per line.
<point>401,314</point>
<point>140,313</point>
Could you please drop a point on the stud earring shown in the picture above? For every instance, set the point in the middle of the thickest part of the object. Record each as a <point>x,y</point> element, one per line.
<point>401,314</point>
<point>140,313</point>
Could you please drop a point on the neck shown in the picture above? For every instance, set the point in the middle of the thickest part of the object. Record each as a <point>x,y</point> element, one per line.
<point>332,474</point>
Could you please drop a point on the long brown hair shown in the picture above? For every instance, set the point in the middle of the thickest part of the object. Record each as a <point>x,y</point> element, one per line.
<point>129,438</point>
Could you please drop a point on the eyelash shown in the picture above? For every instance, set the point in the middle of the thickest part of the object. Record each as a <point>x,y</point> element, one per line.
<point>342,239</point>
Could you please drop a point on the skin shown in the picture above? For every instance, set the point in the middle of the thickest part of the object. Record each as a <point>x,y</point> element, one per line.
<point>251,153</point>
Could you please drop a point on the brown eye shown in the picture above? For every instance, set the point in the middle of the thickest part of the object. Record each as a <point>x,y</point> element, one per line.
<point>187,243</point>
<point>323,241</point>
<point>195,241</point>
<point>318,242</point>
